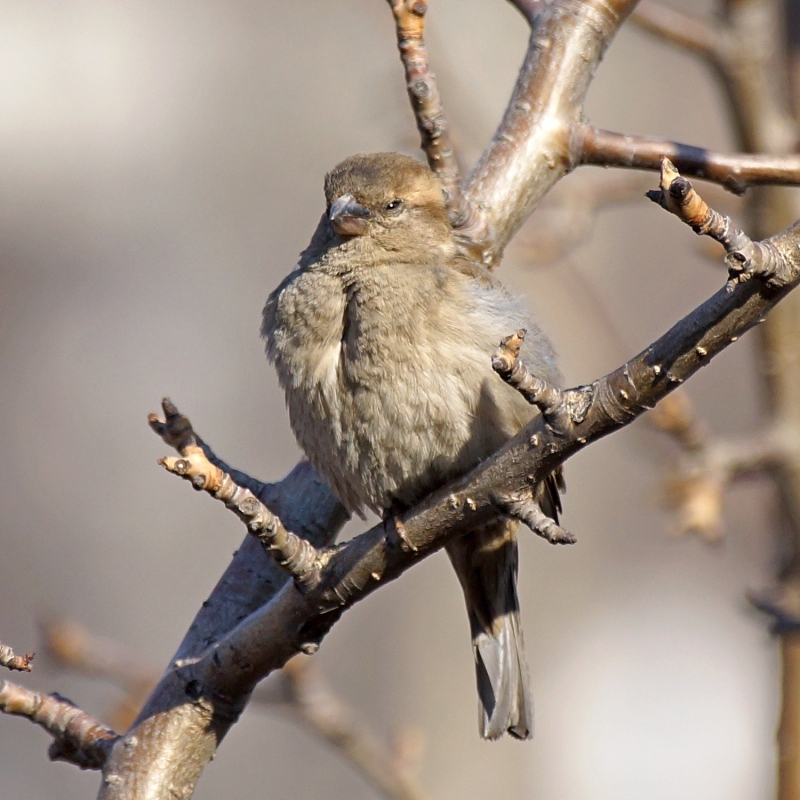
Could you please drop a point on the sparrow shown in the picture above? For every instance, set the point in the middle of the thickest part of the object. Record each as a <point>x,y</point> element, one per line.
<point>382,338</point>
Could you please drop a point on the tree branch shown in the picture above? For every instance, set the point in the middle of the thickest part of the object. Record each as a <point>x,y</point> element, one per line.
<point>177,432</point>
<point>735,172</point>
<point>409,17</point>
<point>299,687</point>
<point>271,635</point>
<point>13,662</point>
<point>77,737</point>
<point>678,27</point>
<point>531,149</point>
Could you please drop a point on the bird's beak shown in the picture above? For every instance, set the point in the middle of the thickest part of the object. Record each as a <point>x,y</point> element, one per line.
<point>348,217</point>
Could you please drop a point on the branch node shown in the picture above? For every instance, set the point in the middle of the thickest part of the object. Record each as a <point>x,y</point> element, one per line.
<point>529,512</point>
<point>745,258</point>
<point>294,554</point>
<point>14,662</point>
<point>397,535</point>
<point>78,738</point>
<point>550,400</point>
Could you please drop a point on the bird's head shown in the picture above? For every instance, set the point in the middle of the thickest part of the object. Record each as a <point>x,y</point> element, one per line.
<point>391,200</point>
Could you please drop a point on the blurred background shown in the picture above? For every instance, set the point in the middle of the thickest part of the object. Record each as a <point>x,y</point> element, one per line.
<point>161,166</point>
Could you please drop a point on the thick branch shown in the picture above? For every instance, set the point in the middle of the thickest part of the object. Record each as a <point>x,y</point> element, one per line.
<point>531,149</point>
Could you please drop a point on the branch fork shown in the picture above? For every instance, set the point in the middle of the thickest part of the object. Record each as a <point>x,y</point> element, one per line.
<point>745,258</point>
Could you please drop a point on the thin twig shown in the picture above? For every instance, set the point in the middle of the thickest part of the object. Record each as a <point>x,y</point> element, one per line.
<point>177,432</point>
<point>297,556</point>
<point>744,256</point>
<point>529,512</point>
<point>13,662</point>
<point>735,172</point>
<point>549,399</point>
<point>77,737</point>
<point>409,17</point>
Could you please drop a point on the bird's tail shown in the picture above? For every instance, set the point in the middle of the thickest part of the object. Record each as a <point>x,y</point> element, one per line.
<point>486,564</point>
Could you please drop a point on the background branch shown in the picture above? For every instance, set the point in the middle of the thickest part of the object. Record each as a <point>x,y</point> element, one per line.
<point>707,465</point>
<point>678,27</point>
<point>299,688</point>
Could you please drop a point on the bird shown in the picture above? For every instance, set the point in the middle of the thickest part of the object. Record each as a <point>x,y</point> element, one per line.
<point>382,337</point>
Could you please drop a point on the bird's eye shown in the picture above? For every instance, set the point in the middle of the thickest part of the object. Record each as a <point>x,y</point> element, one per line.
<point>394,206</point>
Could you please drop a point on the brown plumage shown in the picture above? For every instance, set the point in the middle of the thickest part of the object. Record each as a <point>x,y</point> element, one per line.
<point>382,338</point>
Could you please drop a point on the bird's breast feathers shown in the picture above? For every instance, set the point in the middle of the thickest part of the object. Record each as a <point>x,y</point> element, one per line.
<point>388,379</point>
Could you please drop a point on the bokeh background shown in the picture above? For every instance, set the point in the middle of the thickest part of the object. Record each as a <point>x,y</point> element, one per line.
<point>160,167</point>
